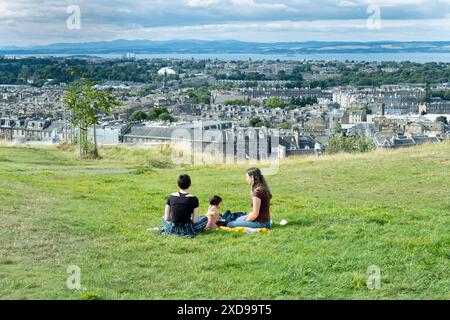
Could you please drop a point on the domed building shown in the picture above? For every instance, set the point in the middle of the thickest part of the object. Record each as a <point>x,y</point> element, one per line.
<point>166,71</point>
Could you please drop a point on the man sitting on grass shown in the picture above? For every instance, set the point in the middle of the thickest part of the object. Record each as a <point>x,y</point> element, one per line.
<point>181,214</point>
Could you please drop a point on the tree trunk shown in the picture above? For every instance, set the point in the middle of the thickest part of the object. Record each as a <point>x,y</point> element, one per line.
<point>95,142</point>
<point>80,151</point>
<point>82,138</point>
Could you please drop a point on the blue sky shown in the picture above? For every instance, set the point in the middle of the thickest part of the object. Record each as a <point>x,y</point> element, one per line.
<point>31,22</point>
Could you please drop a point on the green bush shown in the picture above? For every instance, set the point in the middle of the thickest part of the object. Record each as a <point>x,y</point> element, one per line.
<point>274,102</point>
<point>139,115</point>
<point>351,144</point>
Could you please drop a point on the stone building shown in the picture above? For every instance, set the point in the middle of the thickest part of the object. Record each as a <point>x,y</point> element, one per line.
<point>32,130</point>
<point>435,106</point>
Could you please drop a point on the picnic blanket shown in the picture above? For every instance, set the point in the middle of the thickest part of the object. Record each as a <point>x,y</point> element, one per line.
<point>244,230</point>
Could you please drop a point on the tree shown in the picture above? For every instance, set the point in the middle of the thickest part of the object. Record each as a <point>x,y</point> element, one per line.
<point>138,115</point>
<point>285,125</point>
<point>351,144</point>
<point>166,117</point>
<point>363,108</point>
<point>85,103</point>
<point>235,102</point>
<point>256,122</point>
<point>442,119</point>
<point>274,102</point>
<point>155,113</point>
<point>303,102</point>
<point>428,94</point>
<point>202,95</point>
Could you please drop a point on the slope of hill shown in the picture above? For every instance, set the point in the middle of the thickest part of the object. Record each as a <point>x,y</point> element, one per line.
<point>345,213</point>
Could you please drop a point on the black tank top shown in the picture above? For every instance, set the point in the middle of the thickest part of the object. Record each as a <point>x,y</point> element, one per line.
<point>182,207</point>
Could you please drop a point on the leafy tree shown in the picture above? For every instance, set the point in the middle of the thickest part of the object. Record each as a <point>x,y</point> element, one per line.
<point>442,119</point>
<point>255,103</point>
<point>241,102</point>
<point>257,122</point>
<point>364,108</point>
<point>351,144</point>
<point>303,102</point>
<point>284,125</point>
<point>160,113</point>
<point>338,129</point>
<point>274,102</point>
<point>202,95</point>
<point>138,115</point>
<point>235,102</point>
<point>85,103</point>
<point>147,91</point>
<point>428,94</point>
<point>443,94</point>
<point>166,117</point>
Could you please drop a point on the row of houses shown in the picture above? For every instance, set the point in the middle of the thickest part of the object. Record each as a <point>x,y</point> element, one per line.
<point>230,139</point>
<point>397,100</point>
<point>261,94</point>
<point>222,136</point>
<point>436,105</point>
<point>33,129</point>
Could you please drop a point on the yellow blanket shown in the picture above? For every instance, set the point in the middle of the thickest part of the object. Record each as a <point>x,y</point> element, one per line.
<point>244,230</point>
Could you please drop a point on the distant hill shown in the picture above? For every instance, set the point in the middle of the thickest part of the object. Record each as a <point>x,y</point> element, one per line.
<point>230,47</point>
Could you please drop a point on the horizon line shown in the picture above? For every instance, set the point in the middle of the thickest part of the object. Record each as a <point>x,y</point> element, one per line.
<point>224,40</point>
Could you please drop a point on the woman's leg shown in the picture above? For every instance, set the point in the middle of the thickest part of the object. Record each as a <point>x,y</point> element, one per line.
<point>240,222</point>
<point>229,216</point>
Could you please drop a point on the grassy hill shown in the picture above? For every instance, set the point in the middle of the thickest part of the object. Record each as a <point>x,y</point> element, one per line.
<point>345,213</point>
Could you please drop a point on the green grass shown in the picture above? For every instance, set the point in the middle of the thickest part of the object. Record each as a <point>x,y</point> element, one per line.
<point>345,213</point>
<point>47,158</point>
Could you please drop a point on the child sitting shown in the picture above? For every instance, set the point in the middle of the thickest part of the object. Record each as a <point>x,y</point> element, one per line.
<point>213,212</point>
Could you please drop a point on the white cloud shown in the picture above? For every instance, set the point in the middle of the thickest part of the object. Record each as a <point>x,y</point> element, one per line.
<point>43,21</point>
<point>201,3</point>
<point>346,3</point>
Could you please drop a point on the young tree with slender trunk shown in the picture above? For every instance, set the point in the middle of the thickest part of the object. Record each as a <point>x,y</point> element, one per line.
<point>85,103</point>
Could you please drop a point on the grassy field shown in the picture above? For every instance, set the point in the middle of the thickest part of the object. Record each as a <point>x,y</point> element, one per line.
<point>345,212</point>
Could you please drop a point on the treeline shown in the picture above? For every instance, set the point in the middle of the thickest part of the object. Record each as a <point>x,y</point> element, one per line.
<point>403,72</point>
<point>40,71</point>
<point>157,113</point>
<point>443,94</point>
<point>385,73</point>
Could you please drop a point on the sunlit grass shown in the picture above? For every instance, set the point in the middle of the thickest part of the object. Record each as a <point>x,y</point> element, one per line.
<point>345,213</point>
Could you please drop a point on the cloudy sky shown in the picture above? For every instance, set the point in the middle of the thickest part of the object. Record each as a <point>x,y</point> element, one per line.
<point>31,22</point>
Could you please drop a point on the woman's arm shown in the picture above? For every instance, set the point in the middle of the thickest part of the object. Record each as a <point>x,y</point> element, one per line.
<point>255,213</point>
<point>195,215</point>
<point>167,213</point>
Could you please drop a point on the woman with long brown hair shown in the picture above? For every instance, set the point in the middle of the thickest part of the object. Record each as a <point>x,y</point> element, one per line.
<point>259,217</point>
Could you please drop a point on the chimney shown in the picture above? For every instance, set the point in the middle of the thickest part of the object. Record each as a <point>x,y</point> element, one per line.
<point>382,109</point>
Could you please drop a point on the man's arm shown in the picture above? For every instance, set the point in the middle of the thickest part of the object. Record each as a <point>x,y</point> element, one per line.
<point>167,213</point>
<point>255,213</point>
<point>195,215</point>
